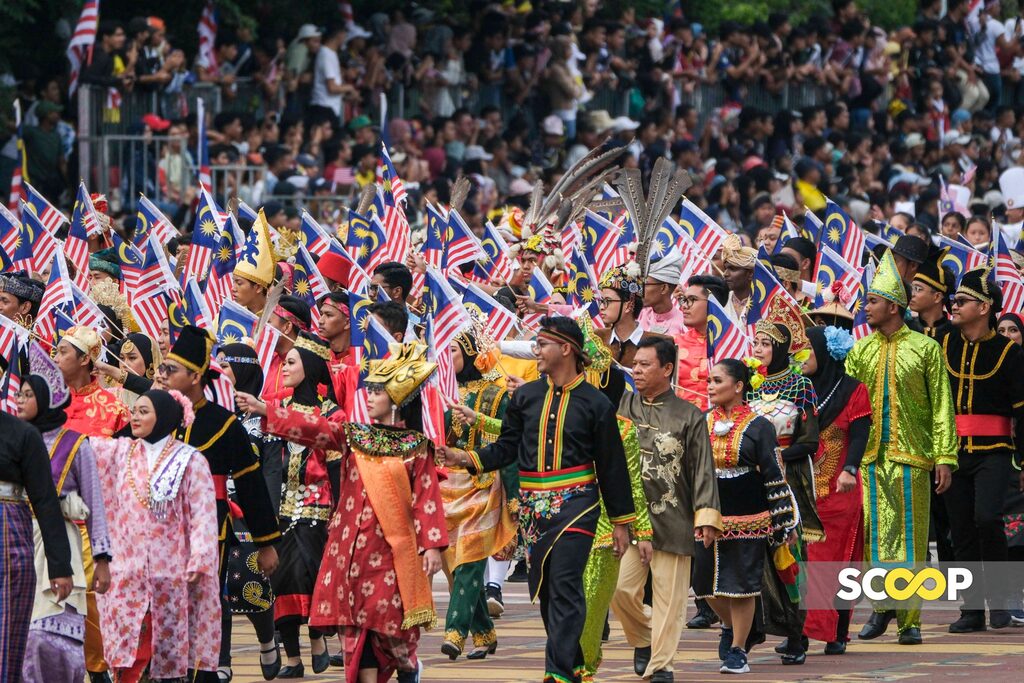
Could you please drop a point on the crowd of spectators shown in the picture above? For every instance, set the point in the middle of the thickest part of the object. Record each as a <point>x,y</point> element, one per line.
<point>519,91</point>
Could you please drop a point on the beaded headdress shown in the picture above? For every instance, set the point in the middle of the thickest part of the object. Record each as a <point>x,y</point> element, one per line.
<point>782,314</point>
<point>313,346</point>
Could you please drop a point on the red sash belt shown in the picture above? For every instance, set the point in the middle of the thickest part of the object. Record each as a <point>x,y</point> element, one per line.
<point>983,425</point>
<point>220,491</point>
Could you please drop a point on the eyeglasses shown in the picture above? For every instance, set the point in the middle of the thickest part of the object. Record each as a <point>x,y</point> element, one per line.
<point>605,303</point>
<point>538,345</point>
<point>168,368</point>
<point>687,301</point>
<point>961,301</point>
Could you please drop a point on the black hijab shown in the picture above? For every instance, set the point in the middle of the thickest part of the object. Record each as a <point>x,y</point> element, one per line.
<point>317,386</point>
<point>245,364</point>
<point>469,372</point>
<point>1013,318</point>
<point>46,419</point>
<point>169,414</point>
<point>831,383</point>
<point>144,345</point>
<point>780,352</point>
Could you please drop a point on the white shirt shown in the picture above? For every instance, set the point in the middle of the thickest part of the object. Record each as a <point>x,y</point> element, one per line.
<point>327,68</point>
<point>153,450</point>
<point>985,48</point>
<point>635,336</point>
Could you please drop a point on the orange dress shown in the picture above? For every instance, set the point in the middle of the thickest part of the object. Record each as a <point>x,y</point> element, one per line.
<point>693,366</point>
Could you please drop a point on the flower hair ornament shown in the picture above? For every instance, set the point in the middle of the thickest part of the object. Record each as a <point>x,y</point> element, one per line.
<point>188,416</point>
<point>758,372</point>
<point>838,342</point>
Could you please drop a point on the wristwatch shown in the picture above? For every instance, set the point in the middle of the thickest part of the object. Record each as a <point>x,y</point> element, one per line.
<point>851,470</point>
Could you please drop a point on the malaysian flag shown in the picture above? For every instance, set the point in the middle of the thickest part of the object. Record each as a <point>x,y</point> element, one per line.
<point>841,234</point>
<point>462,245</point>
<point>10,230</point>
<point>667,236</point>
<point>218,286</point>
<point>222,390</point>
<point>602,243</point>
<point>435,388</point>
<point>583,284</point>
<point>85,311</point>
<point>539,290</point>
<point>20,175</point>
<point>150,218</point>
<point>444,306</point>
<point>393,186</point>
<point>861,328</point>
<point>307,282</point>
<point>151,313</point>
<point>358,279</point>
<point>34,244</point>
<point>437,236</point>
<point>498,264</point>
<point>202,142</point>
<point>396,227</point>
<point>80,47</point>
<point>835,277</point>
<point>207,38</point>
<point>366,240</point>
<point>813,227</point>
<point>313,236</point>
<point>5,262</point>
<point>206,237</point>
<point>482,307</point>
<point>763,290</point>
<point>76,246</point>
<point>571,237</point>
<point>235,324</point>
<point>58,294</point>
<point>726,338</point>
<point>960,257</point>
<point>698,225</point>
<point>1007,276</point>
<point>49,216</point>
<point>14,340</point>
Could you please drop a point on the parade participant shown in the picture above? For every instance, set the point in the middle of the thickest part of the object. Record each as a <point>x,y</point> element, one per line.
<point>559,459</point>
<point>622,299</point>
<point>739,263</point>
<point>163,608</point>
<point>25,469</point>
<point>395,280</point>
<point>1011,326</point>
<point>255,271</point>
<point>929,296</point>
<point>218,435</point>
<point>986,375</point>
<point>335,328</point>
<point>682,501</point>
<point>94,411</point>
<point>240,364</point>
<point>139,357</point>
<point>786,399</point>
<point>912,432</point>
<point>105,266</point>
<point>804,252</point>
<point>909,252</point>
<point>20,296</point>
<point>660,314</point>
<point>291,316</point>
<point>787,270</point>
<point>117,315</point>
<point>56,640</point>
<point>757,506</point>
<point>389,526</point>
<point>844,418</point>
<point>692,356</point>
<point>335,270</point>
<point>477,507</point>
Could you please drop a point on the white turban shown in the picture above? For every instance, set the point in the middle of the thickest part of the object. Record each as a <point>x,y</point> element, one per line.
<point>668,269</point>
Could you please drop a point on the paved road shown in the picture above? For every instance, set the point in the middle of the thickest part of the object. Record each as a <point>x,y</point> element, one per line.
<point>993,656</point>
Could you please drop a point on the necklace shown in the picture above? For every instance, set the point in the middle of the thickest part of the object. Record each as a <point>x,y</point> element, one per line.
<point>822,404</point>
<point>145,501</point>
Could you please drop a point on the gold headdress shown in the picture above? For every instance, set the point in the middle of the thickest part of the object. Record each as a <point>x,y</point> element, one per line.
<point>313,346</point>
<point>86,340</point>
<point>403,372</point>
<point>783,314</point>
<point>887,282</point>
<point>256,263</point>
<point>736,254</point>
<point>107,293</point>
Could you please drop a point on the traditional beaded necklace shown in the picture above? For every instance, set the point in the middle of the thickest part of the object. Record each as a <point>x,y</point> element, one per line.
<point>145,500</point>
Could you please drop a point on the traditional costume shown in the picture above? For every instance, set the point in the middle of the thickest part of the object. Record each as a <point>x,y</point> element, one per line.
<point>668,269</point>
<point>94,411</point>
<point>693,368</point>
<point>628,282</point>
<point>735,254</point>
<point>23,288</point>
<point>296,311</point>
<point>149,350</point>
<point>477,507</point>
<point>56,640</point>
<point>163,527</point>
<point>934,275</point>
<point>987,380</point>
<point>844,418</point>
<point>389,512</point>
<point>24,469</point>
<point>566,443</point>
<point>912,430</point>
<point>680,494</point>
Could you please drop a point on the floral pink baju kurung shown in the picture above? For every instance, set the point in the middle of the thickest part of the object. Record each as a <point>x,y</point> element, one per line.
<point>156,545</point>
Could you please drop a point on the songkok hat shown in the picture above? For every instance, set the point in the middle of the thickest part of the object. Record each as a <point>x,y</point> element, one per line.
<point>402,373</point>
<point>85,339</point>
<point>887,282</point>
<point>106,261</point>
<point>256,262</point>
<point>335,267</point>
<point>192,349</point>
<point>936,275</point>
<point>975,283</point>
<point>22,286</point>
<point>668,268</point>
<point>734,253</point>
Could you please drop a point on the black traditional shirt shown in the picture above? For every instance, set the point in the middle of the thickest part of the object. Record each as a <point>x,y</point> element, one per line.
<point>939,330</point>
<point>987,378</point>
<point>562,436</point>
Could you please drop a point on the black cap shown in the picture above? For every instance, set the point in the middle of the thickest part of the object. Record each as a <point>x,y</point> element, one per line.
<point>935,275</point>
<point>192,349</point>
<point>977,285</point>
<point>911,248</point>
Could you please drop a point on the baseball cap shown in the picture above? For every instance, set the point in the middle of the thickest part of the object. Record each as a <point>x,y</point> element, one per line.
<point>308,31</point>
<point>553,126</point>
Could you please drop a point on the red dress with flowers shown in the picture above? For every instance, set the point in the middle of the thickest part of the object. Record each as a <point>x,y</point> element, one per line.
<point>94,411</point>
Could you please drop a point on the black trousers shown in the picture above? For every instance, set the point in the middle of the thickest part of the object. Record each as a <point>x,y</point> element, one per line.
<point>563,606</point>
<point>974,502</point>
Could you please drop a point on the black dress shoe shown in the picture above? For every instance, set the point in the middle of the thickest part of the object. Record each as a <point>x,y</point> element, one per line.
<point>321,662</point>
<point>969,622</point>
<point>297,671</point>
<point>519,574</point>
<point>835,647</point>
<point>338,661</point>
<point>877,625</point>
<point>99,677</point>
<point>662,677</point>
<point>482,654</point>
<point>703,620</point>
<point>270,671</point>
<point>912,636</point>
<point>999,618</point>
<point>641,658</point>
<point>783,647</point>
